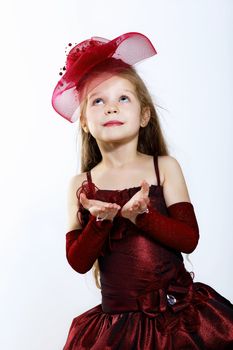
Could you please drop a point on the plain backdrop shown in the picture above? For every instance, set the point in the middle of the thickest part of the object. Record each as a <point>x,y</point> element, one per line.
<point>190,79</point>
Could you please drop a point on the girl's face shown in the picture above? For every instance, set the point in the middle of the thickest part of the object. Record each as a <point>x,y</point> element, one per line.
<point>114,100</point>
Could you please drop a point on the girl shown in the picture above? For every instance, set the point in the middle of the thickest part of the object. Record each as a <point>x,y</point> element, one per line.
<point>130,214</point>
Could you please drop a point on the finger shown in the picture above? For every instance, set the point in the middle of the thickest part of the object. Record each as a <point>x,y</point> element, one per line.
<point>114,206</point>
<point>141,201</point>
<point>143,204</point>
<point>84,200</point>
<point>144,186</point>
<point>145,201</point>
<point>82,197</point>
<point>100,211</point>
<point>109,206</point>
<point>144,182</point>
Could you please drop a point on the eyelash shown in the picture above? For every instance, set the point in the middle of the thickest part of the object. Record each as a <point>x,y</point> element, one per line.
<point>102,99</point>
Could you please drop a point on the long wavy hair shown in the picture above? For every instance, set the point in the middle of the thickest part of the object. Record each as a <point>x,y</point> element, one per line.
<point>151,140</point>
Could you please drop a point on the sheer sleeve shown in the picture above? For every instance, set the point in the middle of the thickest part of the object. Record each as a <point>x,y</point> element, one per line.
<point>84,246</point>
<point>179,230</point>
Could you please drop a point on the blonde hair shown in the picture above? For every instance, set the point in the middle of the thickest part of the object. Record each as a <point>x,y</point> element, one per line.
<point>151,140</point>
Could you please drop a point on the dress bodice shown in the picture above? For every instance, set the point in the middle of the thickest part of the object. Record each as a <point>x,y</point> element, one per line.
<point>130,260</point>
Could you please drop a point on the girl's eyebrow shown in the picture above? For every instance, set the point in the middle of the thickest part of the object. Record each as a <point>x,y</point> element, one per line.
<point>99,93</point>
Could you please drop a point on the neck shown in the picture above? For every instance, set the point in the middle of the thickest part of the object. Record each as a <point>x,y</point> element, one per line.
<point>119,155</point>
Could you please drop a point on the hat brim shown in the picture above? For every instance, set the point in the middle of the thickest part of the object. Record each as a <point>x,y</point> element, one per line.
<point>130,48</point>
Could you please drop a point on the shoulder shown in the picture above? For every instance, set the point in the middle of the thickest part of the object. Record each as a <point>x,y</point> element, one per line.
<point>72,202</point>
<point>168,163</point>
<point>73,184</point>
<point>75,181</point>
<point>174,184</point>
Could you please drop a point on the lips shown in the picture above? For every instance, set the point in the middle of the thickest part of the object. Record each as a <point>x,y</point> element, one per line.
<point>113,122</point>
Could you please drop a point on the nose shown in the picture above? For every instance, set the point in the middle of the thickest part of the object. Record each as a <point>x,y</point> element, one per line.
<point>111,109</point>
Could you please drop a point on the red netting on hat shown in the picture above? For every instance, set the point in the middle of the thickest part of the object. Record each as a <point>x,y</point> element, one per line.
<point>125,50</point>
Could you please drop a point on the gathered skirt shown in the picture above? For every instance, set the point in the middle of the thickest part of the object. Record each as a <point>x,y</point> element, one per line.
<point>205,323</point>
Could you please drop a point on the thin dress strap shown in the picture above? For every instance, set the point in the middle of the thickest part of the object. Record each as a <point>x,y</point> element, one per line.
<point>90,183</point>
<point>157,168</point>
<point>89,179</point>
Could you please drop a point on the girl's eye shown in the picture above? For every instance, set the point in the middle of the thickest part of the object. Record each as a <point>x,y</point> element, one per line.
<point>98,100</point>
<point>124,97</point>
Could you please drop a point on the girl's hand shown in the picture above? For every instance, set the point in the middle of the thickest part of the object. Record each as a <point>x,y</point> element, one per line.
<point>137,204</point>
<point>98,208</point>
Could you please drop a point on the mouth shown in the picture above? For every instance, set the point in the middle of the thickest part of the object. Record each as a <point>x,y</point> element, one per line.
<point>113,123</point>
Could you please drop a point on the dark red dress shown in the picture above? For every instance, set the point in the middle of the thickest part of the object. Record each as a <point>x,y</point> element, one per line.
<point>149,299</point>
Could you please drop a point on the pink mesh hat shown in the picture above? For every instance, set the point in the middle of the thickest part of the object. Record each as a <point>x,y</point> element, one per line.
<point>123,51</point>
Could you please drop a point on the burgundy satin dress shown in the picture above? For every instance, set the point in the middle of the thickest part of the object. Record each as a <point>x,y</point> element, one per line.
<point>149,300</point>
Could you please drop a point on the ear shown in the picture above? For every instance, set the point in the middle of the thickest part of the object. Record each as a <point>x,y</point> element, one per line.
<point>145,116</point>
<point>83,124</point>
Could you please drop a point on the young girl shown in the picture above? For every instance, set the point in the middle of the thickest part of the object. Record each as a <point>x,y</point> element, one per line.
<point>130,214</point>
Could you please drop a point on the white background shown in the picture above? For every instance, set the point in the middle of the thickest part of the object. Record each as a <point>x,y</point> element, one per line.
<point>191,78</point>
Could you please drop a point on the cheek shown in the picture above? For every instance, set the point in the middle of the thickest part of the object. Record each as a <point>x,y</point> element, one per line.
<point>135,111</point>
<point>91,113</point>
<point>94,118</point>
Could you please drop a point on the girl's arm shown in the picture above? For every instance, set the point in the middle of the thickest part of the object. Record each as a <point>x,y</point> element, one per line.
<point>83,246</point>
<point>179,231</point>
